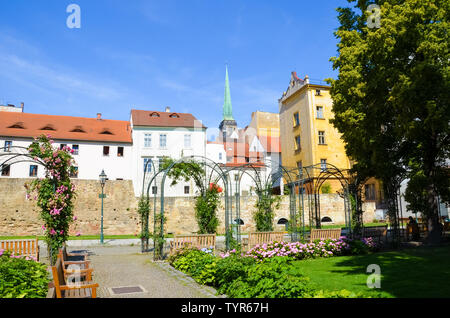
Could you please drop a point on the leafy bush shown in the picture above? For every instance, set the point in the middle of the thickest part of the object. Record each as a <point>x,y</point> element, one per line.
<point>22,277</point>
<point>199,264</point>
<point>273,278</point>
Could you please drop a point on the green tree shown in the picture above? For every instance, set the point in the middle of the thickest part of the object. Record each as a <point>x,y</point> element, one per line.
<point>391,98</point>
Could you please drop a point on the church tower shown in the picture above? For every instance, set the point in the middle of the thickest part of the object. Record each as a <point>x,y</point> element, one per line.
<point>228,126</point>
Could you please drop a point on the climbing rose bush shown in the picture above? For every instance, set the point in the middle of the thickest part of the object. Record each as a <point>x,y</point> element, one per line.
<point>55,193</point>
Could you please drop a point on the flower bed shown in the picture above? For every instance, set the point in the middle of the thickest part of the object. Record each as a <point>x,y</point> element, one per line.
<point>319,248</point>
<point>22,277</point>
<point>266,270</point>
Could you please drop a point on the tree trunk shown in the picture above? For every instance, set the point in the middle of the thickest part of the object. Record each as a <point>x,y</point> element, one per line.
<point>434,229</point>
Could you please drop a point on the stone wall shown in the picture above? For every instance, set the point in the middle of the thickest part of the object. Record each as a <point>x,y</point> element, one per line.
<point>19,216</point>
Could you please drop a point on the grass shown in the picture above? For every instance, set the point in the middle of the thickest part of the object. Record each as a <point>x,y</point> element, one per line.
<point>410,273</point>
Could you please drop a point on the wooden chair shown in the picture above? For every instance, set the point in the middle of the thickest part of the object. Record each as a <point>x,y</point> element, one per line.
<point>375,232</point>
<point>259,238</point>
<point>324,234</point>
<point>22,247</point>
<point>64,289</point>
<point>196,240</point>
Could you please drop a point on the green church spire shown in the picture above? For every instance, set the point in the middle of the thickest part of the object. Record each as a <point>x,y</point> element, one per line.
<point>227,109</point>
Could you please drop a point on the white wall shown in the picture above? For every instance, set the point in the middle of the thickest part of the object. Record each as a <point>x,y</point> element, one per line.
<point>90,159</point>
<point>175,149</point>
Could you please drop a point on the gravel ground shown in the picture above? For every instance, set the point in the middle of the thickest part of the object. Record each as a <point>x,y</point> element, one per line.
<point>125,266</point>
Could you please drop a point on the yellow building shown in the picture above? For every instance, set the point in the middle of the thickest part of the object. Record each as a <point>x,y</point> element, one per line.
<point>265,124</point>
<point>307,136</point>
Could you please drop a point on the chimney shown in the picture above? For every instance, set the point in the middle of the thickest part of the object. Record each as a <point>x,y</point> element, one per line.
<point>99,116</point>
<point>167,109</point>
<point>22,106</point>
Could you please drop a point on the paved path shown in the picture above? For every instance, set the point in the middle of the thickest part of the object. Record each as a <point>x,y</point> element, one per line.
<point>124,266</point>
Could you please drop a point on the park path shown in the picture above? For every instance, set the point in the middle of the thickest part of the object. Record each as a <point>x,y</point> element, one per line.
<point>126,266</point>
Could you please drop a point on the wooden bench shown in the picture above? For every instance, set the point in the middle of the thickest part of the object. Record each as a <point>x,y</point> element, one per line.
<point>259,238</point>
<point>195,240</point>
<point>65,289</point>
<point>68,259</point>
<point>377,232</point>
<point>324,234</point>
<point>28,247</point>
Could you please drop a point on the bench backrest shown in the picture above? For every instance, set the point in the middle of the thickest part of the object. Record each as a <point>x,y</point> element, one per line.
<point>374,231</point>
<point>259,238</point>
<point>58,277</point>
<point>324,234</point>
<point>197,240</point>
<point>22,247</point>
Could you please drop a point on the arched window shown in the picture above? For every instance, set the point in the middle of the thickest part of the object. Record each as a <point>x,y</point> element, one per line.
<point>238,221</point>
<point>282,221</point>
<point>326,219</point>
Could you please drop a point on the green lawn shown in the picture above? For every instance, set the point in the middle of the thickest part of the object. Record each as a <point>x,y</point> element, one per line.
<point>419,272</point>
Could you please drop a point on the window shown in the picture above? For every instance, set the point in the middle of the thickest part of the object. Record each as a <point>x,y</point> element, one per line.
<point>147,140</point>
<point>8,145</point>
<point>33,170</point>
<point>369,191</point>
<point>187,141</point>
<point>119,151</point>
<point>75,149</point>
<point>106,150</point>
<point>323,164</point>
<point>162,141</point>
<point>220,156</point>
<point>186,189</point>
<point>321,138</point>
<point>6,169</point>
<point>147,164</point>
<point>318,92</point>
<point>160,163</point>
<point>154,189</point>
<point>296,120</point>
<point>299,165</point>
<point>297,143</point>
<point>319,112</point>
<point>61,146</point>
<point>74,172</point>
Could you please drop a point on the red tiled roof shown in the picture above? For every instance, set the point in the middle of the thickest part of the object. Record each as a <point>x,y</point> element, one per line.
<point>14,124</point>
<point>164,119</point>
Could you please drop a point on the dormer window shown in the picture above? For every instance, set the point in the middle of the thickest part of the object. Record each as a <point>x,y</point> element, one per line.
<point>48,127</point>
<point>17,125</point>
<point>78,129</point>
<point>154,114</point>
<point>106,132</point>
<point>174,115</point>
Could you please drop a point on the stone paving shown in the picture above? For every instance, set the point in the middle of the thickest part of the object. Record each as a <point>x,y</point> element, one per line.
<point>125,266</point>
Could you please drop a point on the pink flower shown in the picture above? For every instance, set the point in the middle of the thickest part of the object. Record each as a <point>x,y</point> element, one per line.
<point>52,232</point>
<point>78,234</point>
<point>61,232</point>
<point>74,218</point>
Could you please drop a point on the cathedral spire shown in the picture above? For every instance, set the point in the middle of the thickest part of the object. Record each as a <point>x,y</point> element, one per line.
<point>227,108</point>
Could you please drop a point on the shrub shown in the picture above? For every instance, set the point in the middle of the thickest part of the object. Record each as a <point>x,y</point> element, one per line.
<point>270,279</point>
<point>201,265</point>
<point>22,277</point>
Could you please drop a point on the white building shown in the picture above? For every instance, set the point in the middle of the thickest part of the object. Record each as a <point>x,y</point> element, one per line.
<point>158,135</point>
<point>98,144</point>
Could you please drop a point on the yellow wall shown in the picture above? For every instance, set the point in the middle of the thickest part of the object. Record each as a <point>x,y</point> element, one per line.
<point>304,101</point>
<point>265,124</point>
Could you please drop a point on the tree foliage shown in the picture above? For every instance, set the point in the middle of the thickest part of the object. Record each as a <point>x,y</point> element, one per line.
<point>391,98</point>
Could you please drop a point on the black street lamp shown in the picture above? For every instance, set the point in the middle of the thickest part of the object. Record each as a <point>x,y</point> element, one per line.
<point>102,178</point>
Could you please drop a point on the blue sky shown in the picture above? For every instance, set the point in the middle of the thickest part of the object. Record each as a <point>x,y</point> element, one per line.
<point>146,54</point>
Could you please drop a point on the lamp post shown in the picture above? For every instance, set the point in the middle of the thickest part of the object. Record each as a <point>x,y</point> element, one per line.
<point>102,178</point>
